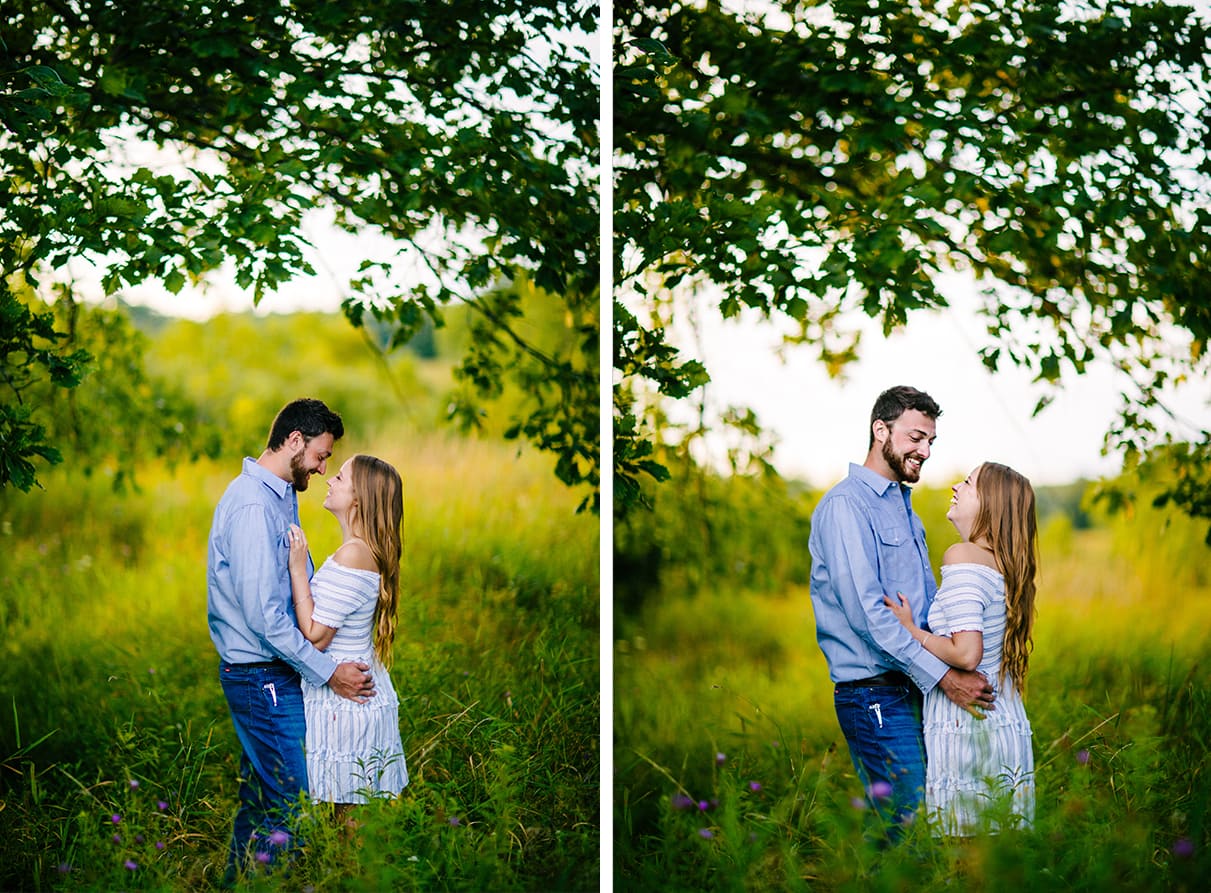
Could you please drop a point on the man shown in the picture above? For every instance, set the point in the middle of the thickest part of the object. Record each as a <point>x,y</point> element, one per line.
<point>866,542</point>
<point>251,618</point>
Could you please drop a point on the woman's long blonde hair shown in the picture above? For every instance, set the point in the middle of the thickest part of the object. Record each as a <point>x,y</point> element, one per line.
<point>1006,520</point>
<point>378,519</point>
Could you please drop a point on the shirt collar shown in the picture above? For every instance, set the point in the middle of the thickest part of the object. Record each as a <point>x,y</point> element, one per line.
<point>266,477</point>
<point>873,479</point>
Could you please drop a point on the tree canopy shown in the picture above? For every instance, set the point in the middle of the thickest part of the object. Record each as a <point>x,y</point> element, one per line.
<point>464,131</point>
<point>810,159</point>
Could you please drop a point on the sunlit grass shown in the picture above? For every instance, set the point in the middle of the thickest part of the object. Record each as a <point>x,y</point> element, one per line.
<point>110,678</point>
<point>720,690</point>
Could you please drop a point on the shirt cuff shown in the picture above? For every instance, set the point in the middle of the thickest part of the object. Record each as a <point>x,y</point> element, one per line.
<point>316,666</point>
<point>927,670</point>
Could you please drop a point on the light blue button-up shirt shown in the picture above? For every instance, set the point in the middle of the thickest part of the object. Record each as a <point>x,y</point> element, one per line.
<point>866,542</point>
<point>248,601</point>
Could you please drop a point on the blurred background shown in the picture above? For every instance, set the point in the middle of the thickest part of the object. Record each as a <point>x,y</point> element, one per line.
<point>1003,204</point>
<point>208,210</point>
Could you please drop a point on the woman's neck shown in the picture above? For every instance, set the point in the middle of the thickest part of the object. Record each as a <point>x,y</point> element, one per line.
<point>982,542</point>
<point>347,532</point>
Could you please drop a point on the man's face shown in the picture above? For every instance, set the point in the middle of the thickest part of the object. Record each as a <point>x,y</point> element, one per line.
<point>907,445</point>
<point>310,458</point>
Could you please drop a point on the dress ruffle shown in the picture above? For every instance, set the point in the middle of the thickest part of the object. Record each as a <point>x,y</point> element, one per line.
<point>354,751</point>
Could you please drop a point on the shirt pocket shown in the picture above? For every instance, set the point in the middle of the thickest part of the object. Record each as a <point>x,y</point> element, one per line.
<point>892,537</point>
<point>897,557</point>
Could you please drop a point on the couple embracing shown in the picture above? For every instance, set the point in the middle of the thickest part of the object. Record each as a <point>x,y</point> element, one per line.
<point>929,680</point>
<point>303,653</point>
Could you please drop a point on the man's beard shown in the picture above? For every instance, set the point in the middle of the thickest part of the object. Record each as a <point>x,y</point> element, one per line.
<point>300,474</point>
<point>898,465</point>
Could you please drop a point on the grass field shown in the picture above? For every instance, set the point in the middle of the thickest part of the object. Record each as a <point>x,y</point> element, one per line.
<point>119,761</point>
<point>731,772</point>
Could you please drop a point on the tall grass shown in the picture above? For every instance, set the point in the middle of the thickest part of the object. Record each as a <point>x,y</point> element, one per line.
<point>732,773</point>
<point>120,763</point>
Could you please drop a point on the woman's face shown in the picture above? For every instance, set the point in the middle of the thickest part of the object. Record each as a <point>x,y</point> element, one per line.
<point>965,502</point>
<point>340,489</point>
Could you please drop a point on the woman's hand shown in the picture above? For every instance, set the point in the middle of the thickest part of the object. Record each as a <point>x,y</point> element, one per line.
<point>298,550</point>
<point>903,610</point>
<point>316,633</point>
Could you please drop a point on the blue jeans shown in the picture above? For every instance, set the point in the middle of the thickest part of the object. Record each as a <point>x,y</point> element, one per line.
<point>882,725</point>
<point>266,702</point>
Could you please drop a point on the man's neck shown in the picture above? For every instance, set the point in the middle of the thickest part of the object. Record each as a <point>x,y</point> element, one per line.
<point>876,463</point>
<point>276,462</point>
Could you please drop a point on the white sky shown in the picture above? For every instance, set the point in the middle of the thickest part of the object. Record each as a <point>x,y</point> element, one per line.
<point>822,424</point>
<point>335,255</point>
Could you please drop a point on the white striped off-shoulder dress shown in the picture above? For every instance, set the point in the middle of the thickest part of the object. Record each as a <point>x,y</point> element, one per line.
<point>354,751</point>
<point>979,773</point>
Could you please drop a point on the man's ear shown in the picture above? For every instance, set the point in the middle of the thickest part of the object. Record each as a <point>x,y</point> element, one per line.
<point>297,440</point>
<point>880,430</point>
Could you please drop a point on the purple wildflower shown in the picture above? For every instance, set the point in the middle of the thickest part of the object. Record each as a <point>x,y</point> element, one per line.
<point>455,821</point>
<point>117,838</point>
<point>134,784</point>
<point>160,844</point>
<point>131,865</point>
<point>754,786</point>
<point>279,838</point>
<point>115,818</point>
<point>703,806</point>
<point>1183,847</point>
<point>720,758</point>
<point>681,801</point>
<point>263,857</point>
<point>161,805</point>
<point>857,803</point>
<point>881,790</point>
<point>138,838</point>
<point>1082,756</point>
<point>706,833</point>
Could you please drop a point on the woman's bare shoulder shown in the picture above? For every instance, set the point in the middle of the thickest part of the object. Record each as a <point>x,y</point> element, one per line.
<point>969,553</point>
<point>356,554</point>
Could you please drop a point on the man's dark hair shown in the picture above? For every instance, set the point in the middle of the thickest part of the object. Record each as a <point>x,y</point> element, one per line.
<point>309,417</point>
<point>894,402</point>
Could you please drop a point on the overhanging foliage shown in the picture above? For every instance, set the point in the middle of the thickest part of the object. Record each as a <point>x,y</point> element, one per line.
<point>812,159</point>
<point>465,131</point>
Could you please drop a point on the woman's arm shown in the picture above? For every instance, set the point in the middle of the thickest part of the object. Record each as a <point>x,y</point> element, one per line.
<point>963,650</point>
<point>317,634</point>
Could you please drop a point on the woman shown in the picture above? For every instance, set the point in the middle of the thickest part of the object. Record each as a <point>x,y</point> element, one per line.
<point>980,769</point>
<point>348,609</point>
